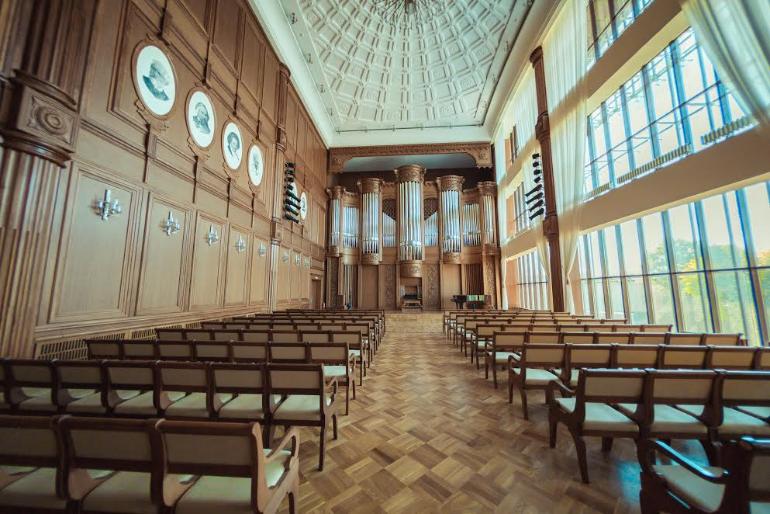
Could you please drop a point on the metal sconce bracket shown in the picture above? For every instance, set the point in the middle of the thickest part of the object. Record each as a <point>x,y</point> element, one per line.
<point>107,207</point>
<point>169,225</point>
<point>212,237</point>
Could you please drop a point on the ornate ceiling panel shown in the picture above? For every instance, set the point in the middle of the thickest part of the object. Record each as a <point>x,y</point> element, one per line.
<point>372,75</point>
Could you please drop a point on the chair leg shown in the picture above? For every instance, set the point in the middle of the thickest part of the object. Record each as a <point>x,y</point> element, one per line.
<point>347,397</point>
<point>494,373</point>
<point>294,497</point>
<point>510,390</point>
<point>322,450</point>
<point>334,425</point>
<point>552,428</point>
<point>353,383</point>
<point>476,349</point>
<point>486,367</point>
<point>580,449</point>
<point>523,395</point>
<point>607,444</point>
<point>361,374</point>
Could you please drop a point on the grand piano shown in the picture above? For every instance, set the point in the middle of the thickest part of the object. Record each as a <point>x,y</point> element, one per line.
<point>474,301</point>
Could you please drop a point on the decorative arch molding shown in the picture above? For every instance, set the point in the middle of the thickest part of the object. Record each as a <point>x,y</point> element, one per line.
<point>480,152</point>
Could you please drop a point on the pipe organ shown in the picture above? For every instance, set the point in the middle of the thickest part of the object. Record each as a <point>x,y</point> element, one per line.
<point>413,240</point>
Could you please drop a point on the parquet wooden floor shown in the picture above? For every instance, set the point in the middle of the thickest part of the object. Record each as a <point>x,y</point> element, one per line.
<point>428,434</point>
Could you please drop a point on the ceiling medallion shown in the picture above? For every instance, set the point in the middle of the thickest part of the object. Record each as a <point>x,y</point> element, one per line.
<point>409,14</point>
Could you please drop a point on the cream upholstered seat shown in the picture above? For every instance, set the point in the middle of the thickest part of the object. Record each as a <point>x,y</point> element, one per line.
<point>236,475</point>
<point>300,407</point>
<point>532,371</point>
<point>745,400</point>
<point>130,387</point>
<point>505,344</point>
<point>669,419</point>
<point>33,441</point>
<point>192,405</point>
<point>31,385</point>
<point>243,406</point>
<point>760,412</point>
<point>123,492</point>
<point>600,416</point>
<point>237,391</point>
<point>139,405</point>
<point>335,371</point>
<point>737,423</point>
<point>694,490</point>
<point>537,377</point>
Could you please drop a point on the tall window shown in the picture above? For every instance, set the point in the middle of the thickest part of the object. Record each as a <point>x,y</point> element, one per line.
<point>702,266</point>
<point>608,20</point>
<point>531,282</point>
<point>674,106</point>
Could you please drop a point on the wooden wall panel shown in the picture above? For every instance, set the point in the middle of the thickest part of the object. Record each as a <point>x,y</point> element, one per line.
<point>450,284</point>
<point>206,283</point>
<point>369,287</point>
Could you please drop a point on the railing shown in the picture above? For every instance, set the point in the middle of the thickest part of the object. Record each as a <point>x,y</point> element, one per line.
<point>687,128</point>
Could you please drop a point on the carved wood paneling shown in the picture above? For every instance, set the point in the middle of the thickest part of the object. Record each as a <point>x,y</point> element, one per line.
<point>430,286</point>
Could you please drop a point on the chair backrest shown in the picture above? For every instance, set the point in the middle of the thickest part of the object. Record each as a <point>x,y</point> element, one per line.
<point>316,336</point>
<point>728,357</point>
<point>329,353</point>
<point>104,349</point>
<point>284,336</point>
<point>509,340</point>
<point>31,373</point>
<point>186,377</point>
<point>170,334</point>
<point>295,378</point>
<point>722,339</point>
<point>622,338</point>
<point>543,337</point>
<point>291,352</point>
<point>226,335</point>
<point>130,374</point>
<point>762,359</point>
<point>636,356</point>
<point>543,356</point>
<point>353,339</point>
<point>649,338</point>
<point>656,328</point>
<point>211,351</point>
<point>682,339</point>
<point>79,374</point>
<point>589,356</point>
<point>744,388</point>
<point>248,352</point>
<point>679,386</point>
<point>564,327</point>
<point>29,441</point>
<point>244,378</point>
<point>140,350</point>
<point>577,337</point>
<point>284,327</point>
<point>176,350</point>
<point>683,357</point>
<point>759,485</point>
<point>611,385</point>
<point>255,336</point>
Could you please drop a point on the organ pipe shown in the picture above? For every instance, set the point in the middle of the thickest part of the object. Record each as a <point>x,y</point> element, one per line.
<point>450,188</point>
<point>410,219</point>
<point>371,202</point>
<point>487,193</point>
<point>336,219</point>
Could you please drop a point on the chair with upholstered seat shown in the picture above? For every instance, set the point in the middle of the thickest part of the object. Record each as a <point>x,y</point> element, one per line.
<point>229,468</point>
<point>114,466</point>
<point>131,388</point>
<point>211,351</point>
<point>308,399</point>
<point>337,362</point>
<point>744,398</point>
<point>504,345</point>
<point>31,386</point>
<point>741,486</point>
<point>534,370</point>
<point>589,412</point>
<point>81,387</point>
<point>483,339</point>
<point>30,466</point>
<point>182,390</point>
<point>356,349</point>
<point>239,392</point>
<point>584,356</point>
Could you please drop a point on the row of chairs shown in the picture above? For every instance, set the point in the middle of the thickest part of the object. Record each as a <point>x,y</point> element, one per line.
<point>272,394</point>
<point>225,351</point>
<point>703,405</point>
<point>66,464</point>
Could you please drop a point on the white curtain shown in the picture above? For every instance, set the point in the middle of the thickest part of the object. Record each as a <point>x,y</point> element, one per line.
<point>736,37</point>
<point>565,64</point>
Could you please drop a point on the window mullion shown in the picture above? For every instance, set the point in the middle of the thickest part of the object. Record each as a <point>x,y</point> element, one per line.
<point>700,231</point>
<point>668,239</point>
<point>645,271</point>
<point>649,107</point>
<point>756,288</point>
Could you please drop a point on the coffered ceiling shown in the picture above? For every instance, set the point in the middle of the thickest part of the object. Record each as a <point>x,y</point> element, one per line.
<point>371,81</point>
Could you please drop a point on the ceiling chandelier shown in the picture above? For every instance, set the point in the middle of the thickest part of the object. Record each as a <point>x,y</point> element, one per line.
<point>408,14</point>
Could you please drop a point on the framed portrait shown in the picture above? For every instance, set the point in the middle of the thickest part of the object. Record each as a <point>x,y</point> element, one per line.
<point>154,79</point>
<point>201,119</point>
<point>232,145</point>
<point>303,206</point>
<point>256,165</point>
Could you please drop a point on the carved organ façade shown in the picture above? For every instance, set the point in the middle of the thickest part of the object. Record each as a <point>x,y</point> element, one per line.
<point>412,241</point>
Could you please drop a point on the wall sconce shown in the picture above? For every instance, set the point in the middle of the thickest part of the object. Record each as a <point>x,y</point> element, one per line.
<point>107,207</point>
<point>169,225</point>
<point>285,257</point>
<point>307,262</point>
<point>212,237</point>
<point>262,249</point>
<point>240,245</point>
<point>297,259</point>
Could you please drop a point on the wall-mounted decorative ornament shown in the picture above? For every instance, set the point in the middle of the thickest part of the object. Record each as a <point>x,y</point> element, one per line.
<point>169,225</point>
<point>232,145</point>
<point>155,80</point>
<point>107,207</point>
<point>307,262</point>
<point>212,236</point>
<point>262,250</point>
<point>201,118</point>
<point>256,165</point>
<point>285,257</point>
<point>297,259</point>
<point>303,205</point>
<point>240,245</point>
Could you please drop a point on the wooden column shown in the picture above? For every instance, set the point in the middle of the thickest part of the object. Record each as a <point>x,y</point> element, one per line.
<point>43,54</point>
<point>551,220</point>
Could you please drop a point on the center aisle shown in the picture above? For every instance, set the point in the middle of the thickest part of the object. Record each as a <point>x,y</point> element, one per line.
<point>427,433</point>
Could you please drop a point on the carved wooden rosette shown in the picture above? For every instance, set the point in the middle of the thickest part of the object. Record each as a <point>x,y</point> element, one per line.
<point>410,221</point>
<point>450,205</point>
<point>371,220</point>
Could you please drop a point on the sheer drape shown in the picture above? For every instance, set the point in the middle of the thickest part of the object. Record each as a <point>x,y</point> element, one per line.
<point>565,66</point>
<point>736,37</point>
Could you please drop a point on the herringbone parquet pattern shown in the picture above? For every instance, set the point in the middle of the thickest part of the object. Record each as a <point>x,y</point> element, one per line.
<point>427,433</point>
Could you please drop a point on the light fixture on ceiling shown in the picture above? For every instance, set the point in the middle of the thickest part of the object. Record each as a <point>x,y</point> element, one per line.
<point>409,14</point>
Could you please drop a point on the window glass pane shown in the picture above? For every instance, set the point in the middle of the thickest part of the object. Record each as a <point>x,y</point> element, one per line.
<point>599,298</point>
<point>583,262</point>
<point>764,281</point>
<point>662,301</point>
<point>736,304</point>
<point>758,209</point>
<point>611,249</point>
<point>663,101</point>
<point>723,230</point>
<point>637,301</point>
<point>632,259</point>
<point>596,128</point>
<point>695,307</point>
<point>616,298</point>
<point>596,259</point>
<point>654,243</point>
<point>684,241</point>
<point>584,285</point>
<point>617,134</point>
<point>638,121</point>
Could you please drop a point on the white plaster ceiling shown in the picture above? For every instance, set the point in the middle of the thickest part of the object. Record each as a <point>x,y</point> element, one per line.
<point>373,76</point>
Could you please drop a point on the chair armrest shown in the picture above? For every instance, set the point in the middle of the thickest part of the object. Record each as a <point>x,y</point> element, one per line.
<point>291,436</point>
<point>689,465</point>
<point>332,384</point>
<point>550,392</point>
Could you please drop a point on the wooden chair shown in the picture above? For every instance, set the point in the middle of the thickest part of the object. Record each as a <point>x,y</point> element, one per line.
<point>504,345</point>
<point>255,336</point>
<point>127,458</point>
<point>231,470</point>
<point>81,387</point>
<point>619,338</point>
<point>743,405</point>
<point>182,390</point>
<point>284,336</point>
<point>729,357</point>
<point>32,386</point>
<point>682,357</point>
<point>223,334</point>
<point>316,336</point>
<point>308,399</point>
<point>356,349</point>
<point>657,328</point>
<point>683,486</point>
<point>338,363</point>
<point>582,356</point>
<point>31,466</point>
<point>762,359</point>
<point>239,392</point>
<point>577,338</point>
<point>649,338</point>
<point>533,371</point>
<point>131,388</point>
<point>638,356</point>
<point>589,412</point>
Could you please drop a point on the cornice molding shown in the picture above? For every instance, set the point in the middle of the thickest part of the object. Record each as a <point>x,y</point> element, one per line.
<point>481,152</point>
